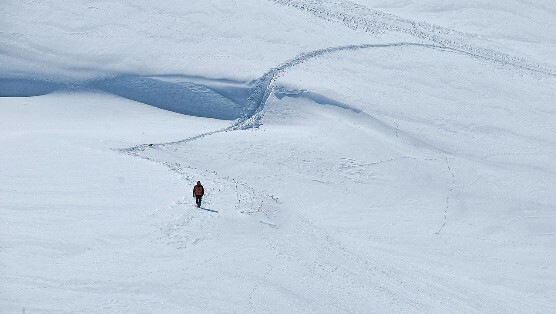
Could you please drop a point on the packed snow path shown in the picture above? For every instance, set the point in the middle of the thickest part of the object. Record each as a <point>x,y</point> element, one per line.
<point>359,17</point>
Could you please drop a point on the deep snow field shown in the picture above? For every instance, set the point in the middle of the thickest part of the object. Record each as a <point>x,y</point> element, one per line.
<point>359,157</point>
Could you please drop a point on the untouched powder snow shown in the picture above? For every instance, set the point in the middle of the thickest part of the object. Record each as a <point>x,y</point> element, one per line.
<point>364,156</point>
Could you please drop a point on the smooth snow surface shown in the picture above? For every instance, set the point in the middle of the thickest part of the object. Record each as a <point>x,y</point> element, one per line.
<point>358,156</point>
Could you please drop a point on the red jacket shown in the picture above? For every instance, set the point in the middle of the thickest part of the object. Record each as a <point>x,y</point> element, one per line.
<point>198,190</point>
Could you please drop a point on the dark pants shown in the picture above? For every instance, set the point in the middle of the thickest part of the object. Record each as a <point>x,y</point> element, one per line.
<point>198,200</point>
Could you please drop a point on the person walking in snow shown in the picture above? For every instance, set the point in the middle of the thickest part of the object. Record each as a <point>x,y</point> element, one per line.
<point>198,192</point>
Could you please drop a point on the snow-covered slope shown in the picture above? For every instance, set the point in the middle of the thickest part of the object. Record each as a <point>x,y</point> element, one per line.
<point>520,27</point>
<point>365,156</point>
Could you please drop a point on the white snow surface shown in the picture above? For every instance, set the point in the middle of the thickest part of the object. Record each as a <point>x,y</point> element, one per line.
<point>358,156</point>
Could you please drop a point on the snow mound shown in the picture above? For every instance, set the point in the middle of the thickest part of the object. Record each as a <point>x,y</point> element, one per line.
<point>208,99</point>
<point>194,96</point>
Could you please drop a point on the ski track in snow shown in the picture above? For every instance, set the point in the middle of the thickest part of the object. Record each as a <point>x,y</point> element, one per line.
<point>359,17</point>
<point>450,194</point>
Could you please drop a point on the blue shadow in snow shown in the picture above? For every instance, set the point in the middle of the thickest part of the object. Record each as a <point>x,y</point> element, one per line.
<point>181,96</point>
<point>317,98</point>
<point>189,95</point>
<point>26,87</point>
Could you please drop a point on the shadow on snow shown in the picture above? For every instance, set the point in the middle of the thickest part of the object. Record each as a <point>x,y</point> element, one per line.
<point>194,96</point>
<point>189,95</point>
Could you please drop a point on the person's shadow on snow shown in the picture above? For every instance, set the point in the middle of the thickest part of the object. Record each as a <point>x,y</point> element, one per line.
<point>209,210</point>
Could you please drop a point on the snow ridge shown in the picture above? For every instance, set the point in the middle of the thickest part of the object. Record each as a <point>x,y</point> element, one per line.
<point>264,86</point>
<point>251,117</point>
<point>251,113</point>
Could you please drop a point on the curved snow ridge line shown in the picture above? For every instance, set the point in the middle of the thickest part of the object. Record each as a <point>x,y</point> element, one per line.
<point>263,87</point>
<point>263,90</point>
<point>359,17</point>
